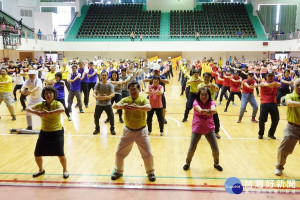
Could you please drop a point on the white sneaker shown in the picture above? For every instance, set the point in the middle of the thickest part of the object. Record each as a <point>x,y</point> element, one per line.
<point>69,118</point>
<point>278,172</point>
<point>161,133</point>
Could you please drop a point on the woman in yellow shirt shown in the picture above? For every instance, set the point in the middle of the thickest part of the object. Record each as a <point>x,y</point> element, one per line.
<point>51,137</point>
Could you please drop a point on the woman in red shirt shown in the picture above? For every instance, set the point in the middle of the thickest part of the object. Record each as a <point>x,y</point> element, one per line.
<point>235,88</point>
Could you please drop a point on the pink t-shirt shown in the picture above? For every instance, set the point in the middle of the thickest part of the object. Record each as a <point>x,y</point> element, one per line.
<point>202,124</point>
<point>155,100</point>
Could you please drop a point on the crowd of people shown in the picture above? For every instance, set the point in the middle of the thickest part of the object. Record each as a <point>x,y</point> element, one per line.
<point>117,85</point>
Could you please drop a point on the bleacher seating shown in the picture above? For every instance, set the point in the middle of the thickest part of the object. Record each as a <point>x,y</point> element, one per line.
<point>119,20</point>
<point>215,20</point>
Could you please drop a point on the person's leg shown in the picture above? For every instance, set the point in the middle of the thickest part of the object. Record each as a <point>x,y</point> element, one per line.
<point>63,162</point>
<point>193,146</point>
<point>62,101</point>
<point>263,117</point>
<point>244,102</point>
<point>223,91</point>
<point>189,106</point>
<point>78,97</point>
<point>211,138</point>
<point>110,114</point>
<point>149,119</point>
<point>254,105</point>
<point>86,95</point>
<point>97,114</point>
<point>228,101</point>
<point>39,162</point>
<point>286,148</point>
<point>15,92</point>
<point>217,124</point>
<point>70,99</point>
<point>274,119</point>
<point>8,101</point>
<point>159,114</point>
<point>22,100</point>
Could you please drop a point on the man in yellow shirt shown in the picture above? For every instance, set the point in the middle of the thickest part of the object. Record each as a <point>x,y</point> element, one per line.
<point>136,107</point>
<point>50,76</point>
<point>5,92</point>
<point>292,130</point>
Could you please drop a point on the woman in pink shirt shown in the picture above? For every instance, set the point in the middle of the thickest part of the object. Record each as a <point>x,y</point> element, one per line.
<point>203,124</point>
<point>155,91</point>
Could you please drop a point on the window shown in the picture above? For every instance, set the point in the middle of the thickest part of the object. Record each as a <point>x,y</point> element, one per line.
<point>25,13</point>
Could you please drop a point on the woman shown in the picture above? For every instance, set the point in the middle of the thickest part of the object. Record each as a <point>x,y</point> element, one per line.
<point>155,92</point>
<point>19,82</point>
<point>235,88</point>
<point>203,124</point>
<point>51,137</point>
<point>286,81</point>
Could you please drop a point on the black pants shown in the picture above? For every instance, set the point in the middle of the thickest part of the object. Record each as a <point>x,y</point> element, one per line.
<point>216,122</point>
<point>281,93</point>
<point>183,84</point>
<point>116,99</point>
<point>159,114</point>
<point>189,104</point>
<point>91,85</point>
<point>84,88</point>
<point>171,71</point>
<point>68,85</point>
<point>110,114</point>
<point>231,98</point>
<point>22,100</point>
<point>224,89</point>
<point>62,101</point>
<point>17,87</point>
<point>265,109</point>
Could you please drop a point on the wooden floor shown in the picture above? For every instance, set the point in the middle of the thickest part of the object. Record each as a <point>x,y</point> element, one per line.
<point>91,157</point>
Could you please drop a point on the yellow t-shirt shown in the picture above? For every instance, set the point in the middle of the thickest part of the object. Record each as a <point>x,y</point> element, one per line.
<point>6,87</point>
<point>51,122</point>
<point>194,85</point>
<point>50,76</point>
<point>212,90</point>
<point>65,75</point>
<point>137,118</point>
<point>293,114</point>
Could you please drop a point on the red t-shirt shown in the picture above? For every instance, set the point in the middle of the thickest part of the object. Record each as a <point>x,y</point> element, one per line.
<point>268,95</point>
<point>235,86</point>
<point>247,90</point>
<point>220,82</point>
<point>226,81</point>
<point>214,70</point>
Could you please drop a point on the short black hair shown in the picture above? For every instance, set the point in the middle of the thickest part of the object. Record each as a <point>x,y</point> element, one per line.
<point>114,72</point>
<point>51,89</point>
<point>199,92</point>
<point>134,83</point>
<point>58,74</point>
<point>207,74</point>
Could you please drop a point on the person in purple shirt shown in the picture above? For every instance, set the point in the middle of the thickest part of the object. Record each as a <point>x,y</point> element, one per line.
<point>92,78</point>
<point>203,124</point>
<point>84,81</point>
<point>60,87</point>
<point>286,81</point>
<point>74,79</point>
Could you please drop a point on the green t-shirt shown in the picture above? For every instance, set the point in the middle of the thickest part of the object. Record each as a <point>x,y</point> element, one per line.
<point>293,113</point>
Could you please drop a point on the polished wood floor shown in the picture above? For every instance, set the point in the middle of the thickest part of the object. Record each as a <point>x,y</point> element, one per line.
<point>91,157</point>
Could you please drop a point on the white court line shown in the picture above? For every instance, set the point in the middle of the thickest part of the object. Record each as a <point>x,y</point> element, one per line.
<point>228,136</point>
<point>178,123</point>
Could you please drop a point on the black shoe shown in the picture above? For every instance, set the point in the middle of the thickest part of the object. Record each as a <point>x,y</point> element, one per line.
<point>66,175</point>
<point>116,176</point>
<point>86,105</point>
<point>186,167</point>
<point>165,121</point>
<point>272,137</point>
<point>260,137</point>
<point>29,128</point>
<point>218,167</point>
<point>113,132</point>
<point>38,174</point>
<point>121,121</point>
<point>106,121</point>
<point>151,177</point>
<point>96,131</point>
<point>14,118</point>
<point>225,110</point>
<point>218,136</point>
<point>184,120</point>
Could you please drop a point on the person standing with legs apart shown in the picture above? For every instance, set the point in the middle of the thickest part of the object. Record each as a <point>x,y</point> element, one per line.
<point>247,96</point>
<point>103,92</point>
<point>74,80</point>
<point>136,107</point>
<point>51,137</point>
<point>5,92</point>
<point>92,80</point>
<point>235,88</point>
<point>84,82</point>
<point>292,130</point>
<point>155,92</point>
<point>203,124</point>
<point>32,88</point>
<point>268,104</point>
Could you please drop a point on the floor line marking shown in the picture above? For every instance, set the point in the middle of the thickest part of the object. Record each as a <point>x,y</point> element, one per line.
<point>228,136</point>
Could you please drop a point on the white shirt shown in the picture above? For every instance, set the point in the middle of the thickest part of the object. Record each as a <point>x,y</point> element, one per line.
<point>35,95</point>
<point>19,79</point>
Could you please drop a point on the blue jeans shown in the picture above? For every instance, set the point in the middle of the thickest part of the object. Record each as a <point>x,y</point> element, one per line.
<point>248,97</point>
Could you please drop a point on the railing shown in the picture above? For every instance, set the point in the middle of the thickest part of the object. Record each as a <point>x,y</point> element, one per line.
<point>71,23</point>
<point>62,1</point>
<point>13,18</point>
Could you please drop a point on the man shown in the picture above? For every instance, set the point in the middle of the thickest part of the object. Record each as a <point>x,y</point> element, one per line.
<point>5,92</point>
<point>292,130</point>
<point>268,105</point>
<point>248,96</point>
<point>170,67</point>
<point>74,80</point>
<point>32,88</point>
<point>84,81</point>
<point>50,76</point>
<point>103,92</point>
<point>136,107</point>
<point>92,78</point>
<point>54,34</point>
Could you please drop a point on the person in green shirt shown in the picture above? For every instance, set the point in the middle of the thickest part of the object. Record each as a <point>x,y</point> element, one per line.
<point>292,130</point>
<point>51,137</point>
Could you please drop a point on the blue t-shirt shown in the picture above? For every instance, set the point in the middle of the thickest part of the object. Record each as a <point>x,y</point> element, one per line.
<point>60,87</point>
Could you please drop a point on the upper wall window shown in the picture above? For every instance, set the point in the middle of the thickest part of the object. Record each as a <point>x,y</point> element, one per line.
<point>25,13</point>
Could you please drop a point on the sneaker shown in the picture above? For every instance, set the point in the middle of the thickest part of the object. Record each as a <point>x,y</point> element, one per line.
<point>37,174</point>
<point>70,118</point>
<point>151,177</point>
<point>260,137</point>
<point>14,118</point>
<point>121,121</point>
<point>116,176</point>
<point>219,103</point>
<point>81,111</point>
<point>113,132</point>
<point>184,120</point>
<point>96,131</point>
<point>106,121</point>
<point>253,120</point>
<point>278,172</point>
<point>86,105</point>
<point>225,110</point>
<point>233,104</point>
<point>66,175</point>
<point>186,167</point>
<point>218,167</point>
<point>29,128</point>
<point>23,110</point>
<point>161,133</point>
<point>218,136</point>
<point>149,133</point>
<point>272,137</point>
<point>14,100</point>
<point>239,120</point>
<point>165,121</point>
